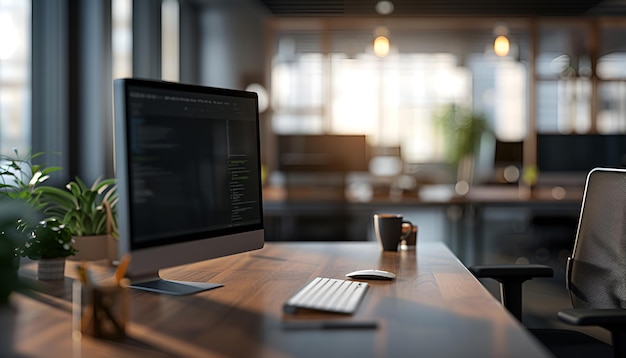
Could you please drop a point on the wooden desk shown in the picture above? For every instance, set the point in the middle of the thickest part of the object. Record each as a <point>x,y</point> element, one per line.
<point>435,308</point>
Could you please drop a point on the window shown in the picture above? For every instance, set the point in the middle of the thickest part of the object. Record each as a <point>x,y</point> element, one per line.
<point>297,90</point>
<point>393,100</point>
<point>170,29</point>
<point>122,38</point>
<point>564,70</point>
<point>14,75</point>
<point>611,71</point>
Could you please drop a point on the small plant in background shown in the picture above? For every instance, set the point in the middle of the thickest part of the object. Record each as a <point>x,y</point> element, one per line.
<point>11,238</point>
<point>19,211</point>
<point>48,240</point>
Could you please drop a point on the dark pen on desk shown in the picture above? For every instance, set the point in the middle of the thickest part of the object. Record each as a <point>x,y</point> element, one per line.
<point>329,325</point>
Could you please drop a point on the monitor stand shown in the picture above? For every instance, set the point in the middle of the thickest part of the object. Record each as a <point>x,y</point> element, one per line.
<point>170,287</point>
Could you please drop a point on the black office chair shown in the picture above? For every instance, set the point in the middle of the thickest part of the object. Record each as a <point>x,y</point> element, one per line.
<point>595,273</point>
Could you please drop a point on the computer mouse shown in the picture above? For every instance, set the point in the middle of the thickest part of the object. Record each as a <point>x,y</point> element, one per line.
<point>371,275</point>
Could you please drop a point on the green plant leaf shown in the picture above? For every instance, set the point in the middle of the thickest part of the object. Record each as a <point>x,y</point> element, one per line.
<point>81,207</point>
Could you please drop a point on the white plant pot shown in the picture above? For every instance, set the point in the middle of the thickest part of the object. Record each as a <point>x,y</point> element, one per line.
<point>51,269</point>
<point>91,247</point>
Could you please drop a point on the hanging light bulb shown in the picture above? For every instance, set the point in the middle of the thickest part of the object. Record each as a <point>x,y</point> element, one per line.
<point>501,46</point>
<point>381,41</point>
<point>381,46</point>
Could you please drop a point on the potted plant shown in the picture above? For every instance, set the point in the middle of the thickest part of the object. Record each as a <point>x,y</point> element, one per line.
<point>88,212</point>
<point>50,243</point>
<point>19,210</point>
<point>463,130</point>
<point>11,238</point>
<point>11,211</point>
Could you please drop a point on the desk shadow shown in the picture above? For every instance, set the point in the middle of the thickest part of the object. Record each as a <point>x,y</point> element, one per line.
<point>172,325</point>
<point>58,295</point>
<point>199,325</point>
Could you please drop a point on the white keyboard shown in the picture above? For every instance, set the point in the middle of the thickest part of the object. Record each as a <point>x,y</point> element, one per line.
<point>329,295</point>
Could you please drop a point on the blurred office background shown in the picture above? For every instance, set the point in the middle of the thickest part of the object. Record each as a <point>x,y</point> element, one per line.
<point>352,95</point>
<point>351,98</point>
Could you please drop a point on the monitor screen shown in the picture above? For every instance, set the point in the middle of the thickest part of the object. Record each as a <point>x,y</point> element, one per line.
<point>189,176</point>
<point>568,158</point>
<point>322,153</point>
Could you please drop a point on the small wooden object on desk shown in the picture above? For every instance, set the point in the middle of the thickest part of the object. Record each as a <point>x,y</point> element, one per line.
<point>100,308</point>
<point>411,240</point>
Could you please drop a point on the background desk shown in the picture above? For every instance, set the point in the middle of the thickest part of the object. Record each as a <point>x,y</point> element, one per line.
<point>435,308</point>
<point>499,219</point>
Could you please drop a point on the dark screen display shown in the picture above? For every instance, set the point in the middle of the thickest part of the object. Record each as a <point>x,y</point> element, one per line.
<point>580,153</point>
<point>193,164</point>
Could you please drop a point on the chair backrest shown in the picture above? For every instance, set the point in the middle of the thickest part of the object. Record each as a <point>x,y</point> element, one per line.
<point>596,271</point>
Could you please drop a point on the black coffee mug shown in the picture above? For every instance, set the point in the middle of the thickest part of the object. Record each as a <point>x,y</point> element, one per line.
<point>388,230</point>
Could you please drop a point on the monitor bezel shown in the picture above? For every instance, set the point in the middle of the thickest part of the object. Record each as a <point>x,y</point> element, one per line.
<point>147,260</point>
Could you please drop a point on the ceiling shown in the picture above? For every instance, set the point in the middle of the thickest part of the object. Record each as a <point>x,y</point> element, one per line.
<point>428,8</point>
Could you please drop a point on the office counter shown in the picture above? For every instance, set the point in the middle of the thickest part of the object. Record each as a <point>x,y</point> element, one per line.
<point>435,308</point>
<point>468,224</point>
<point>437,194</point>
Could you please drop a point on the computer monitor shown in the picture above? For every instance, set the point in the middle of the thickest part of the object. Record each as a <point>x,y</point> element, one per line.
<point>567,159</point>
<point>189,177</point>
